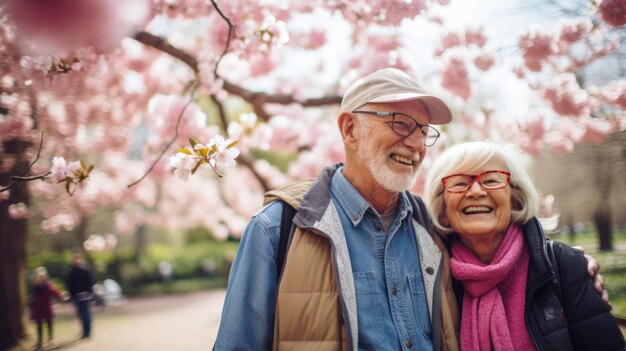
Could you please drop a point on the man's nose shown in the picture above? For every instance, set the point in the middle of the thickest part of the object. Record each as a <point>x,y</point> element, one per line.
<point>415,141</point>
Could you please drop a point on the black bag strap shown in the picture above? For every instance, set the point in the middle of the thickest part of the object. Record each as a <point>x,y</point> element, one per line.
<point>556,283</point>
<point>286,221</point>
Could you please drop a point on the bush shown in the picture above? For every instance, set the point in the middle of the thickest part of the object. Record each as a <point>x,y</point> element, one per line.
<point>201,265</point>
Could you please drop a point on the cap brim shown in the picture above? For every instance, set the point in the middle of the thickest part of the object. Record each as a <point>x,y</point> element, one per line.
<point>438,111</point>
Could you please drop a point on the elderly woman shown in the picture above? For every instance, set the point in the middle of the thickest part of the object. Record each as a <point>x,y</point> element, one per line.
<point>518,290</point>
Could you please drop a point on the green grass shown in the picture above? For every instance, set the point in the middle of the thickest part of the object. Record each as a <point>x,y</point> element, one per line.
<point>177,286</point>
<point>612,265</point>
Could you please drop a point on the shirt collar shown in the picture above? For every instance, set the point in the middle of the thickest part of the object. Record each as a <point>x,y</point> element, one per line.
<point>354,205</point>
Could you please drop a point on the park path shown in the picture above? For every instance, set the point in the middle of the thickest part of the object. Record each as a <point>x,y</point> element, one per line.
<point>174,322</point>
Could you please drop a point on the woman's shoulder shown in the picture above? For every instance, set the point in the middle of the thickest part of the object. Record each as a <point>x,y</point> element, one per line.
<point>572,265</point>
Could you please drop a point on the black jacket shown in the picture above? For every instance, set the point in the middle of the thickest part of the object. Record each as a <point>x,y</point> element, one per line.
<point>79,280</point>
<point>563,310</point>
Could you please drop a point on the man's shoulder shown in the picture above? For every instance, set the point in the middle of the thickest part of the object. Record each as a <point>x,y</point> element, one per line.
<point>270,214</point>
<point>291,194</point>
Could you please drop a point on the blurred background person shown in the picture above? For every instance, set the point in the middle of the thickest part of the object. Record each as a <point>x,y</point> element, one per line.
<point>517,290</point>
<point>42,293</point>
<point>79,283</point>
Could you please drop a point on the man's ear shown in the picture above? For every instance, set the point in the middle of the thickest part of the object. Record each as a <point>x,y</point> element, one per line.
<point>347,127</point>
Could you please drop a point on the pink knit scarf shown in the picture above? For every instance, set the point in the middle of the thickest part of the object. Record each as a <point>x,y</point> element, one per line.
<point>494,299</point>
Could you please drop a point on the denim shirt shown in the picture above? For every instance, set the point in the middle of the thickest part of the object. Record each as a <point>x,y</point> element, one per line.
<point>391,303</point>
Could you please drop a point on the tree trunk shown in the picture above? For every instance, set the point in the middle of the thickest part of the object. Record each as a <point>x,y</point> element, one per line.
<point>605,159</point>
<point>81,237</point>
<point>12,254</point>
<point>602,219</point>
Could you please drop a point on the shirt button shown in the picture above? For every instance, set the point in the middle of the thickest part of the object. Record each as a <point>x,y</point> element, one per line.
<point>430,270</point>
<point>355,218</point>
<point>394,291</point>
<point>409,343</point>
<point>379,228</point>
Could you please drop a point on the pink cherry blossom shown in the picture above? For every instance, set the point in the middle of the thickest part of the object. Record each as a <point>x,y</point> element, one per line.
<point>484,61</point>
<point>182,164</point>
<point>5,195</point>
<point>450,40</point>
<point>456,79</point>
<point>310,40</point>
<point>262,63</point>
<point>558,143</point>
<point>59,167</point>
<point>613,12</point>
<point>225,155</point>
<point>595,130</point>
<point>18,211</point>
<point>613,93</point>
<point>66,25</point>
<point>475,36</point>
<point>537,46</point>
<point>573,31</point>
<point>567,98</point>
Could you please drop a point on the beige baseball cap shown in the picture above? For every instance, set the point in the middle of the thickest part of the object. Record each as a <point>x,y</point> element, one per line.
<point>393,85</point>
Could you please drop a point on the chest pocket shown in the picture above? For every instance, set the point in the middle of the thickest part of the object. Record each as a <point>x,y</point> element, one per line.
<point>420,304</point>
<point>369,300</point>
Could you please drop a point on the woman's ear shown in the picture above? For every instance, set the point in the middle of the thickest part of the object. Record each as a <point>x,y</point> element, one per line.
<point>444,221</point>
<point>347,125</point>
<point>443,217</point>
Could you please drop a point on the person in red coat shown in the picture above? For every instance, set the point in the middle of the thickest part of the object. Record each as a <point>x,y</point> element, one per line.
<point>42,293</point>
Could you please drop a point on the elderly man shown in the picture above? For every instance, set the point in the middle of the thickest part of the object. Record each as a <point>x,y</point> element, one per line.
<point>363,270</point>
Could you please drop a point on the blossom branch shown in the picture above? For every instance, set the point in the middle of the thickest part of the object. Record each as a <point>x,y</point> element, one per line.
<point>248,163</point>
<point>242,159</point>
<point>221,113</point>
<point>256,99</point>
<point>180,117</point>
<point>161,44</point>
<point>230,35</point>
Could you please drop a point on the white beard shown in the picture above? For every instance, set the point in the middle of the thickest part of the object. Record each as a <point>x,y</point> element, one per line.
<point>376,162</point>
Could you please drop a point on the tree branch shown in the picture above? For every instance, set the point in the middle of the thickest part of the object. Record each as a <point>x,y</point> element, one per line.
<point>248,163</point>
<point>23,177</point>
<point>241,158</point>
<point>257,99</point>
<point>180,117</point>
<point>230,35</point>
<point>161,44</point>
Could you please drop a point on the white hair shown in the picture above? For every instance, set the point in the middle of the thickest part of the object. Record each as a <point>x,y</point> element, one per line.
<point>468,158</point>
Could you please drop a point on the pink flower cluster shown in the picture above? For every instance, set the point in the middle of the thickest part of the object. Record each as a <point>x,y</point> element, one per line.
<point>470,37</point>
<point>381,50</point>
<point>595,130</point>
<point>613,93</point>
<point>567,98</point>
<point>310,40</point>
<point>56,27</point>
<point>17,122</point>
<point>613,12</point>
<point>484,61</point>
<point>18,211</point>
<point>386,12</point>
<point>537,46</point>
<point>573,31</point>
<point>455,78</point>
<point>164,112</point>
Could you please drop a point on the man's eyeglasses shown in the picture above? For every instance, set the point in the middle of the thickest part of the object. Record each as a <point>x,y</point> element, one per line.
<point>405,125</point>
<point>489,180</point>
